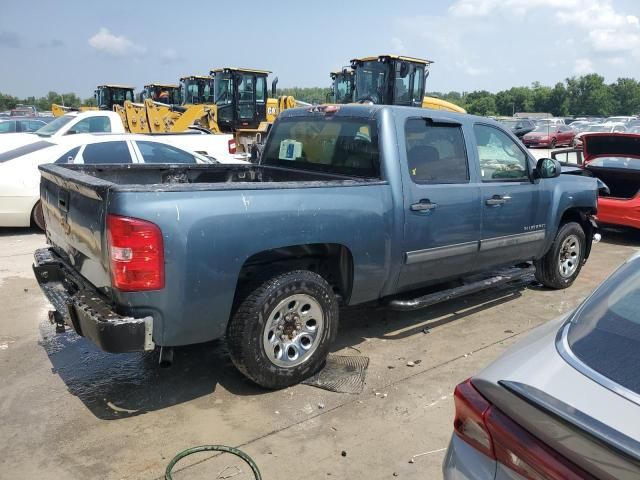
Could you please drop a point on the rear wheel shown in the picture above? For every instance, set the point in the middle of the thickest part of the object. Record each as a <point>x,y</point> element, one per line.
<point>281,332</point>
<point>562,263</point>
<point>37,216</point>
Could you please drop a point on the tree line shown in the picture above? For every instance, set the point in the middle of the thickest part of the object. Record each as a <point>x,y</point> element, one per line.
<point>588,95</point>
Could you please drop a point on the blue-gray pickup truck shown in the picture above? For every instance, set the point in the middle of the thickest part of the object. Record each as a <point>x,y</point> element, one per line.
<point>344,205</point>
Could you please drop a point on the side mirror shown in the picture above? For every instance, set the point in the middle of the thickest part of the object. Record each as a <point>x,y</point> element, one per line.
<point>548,168</point>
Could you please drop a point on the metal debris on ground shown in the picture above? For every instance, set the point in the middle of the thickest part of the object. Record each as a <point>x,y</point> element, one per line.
<point>341,374</point>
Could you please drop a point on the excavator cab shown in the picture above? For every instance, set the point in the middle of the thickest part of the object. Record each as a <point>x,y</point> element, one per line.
<point>390,80</point>
<point>109,95</point>
<point>196,90</point>
<point>341,86</point>
<point>241,97</point>
<point>161,92</point>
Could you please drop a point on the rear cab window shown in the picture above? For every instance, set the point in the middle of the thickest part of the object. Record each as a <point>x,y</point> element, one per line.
<point>325,143</point>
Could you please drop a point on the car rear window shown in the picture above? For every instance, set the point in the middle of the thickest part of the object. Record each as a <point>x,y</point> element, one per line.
<point>605,332</point>
<point>328,143</point>
<point>24,150</point>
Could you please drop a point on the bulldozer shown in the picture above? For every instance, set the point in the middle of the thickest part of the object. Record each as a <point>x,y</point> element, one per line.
<point>106,97</point>
<point>388,80</point>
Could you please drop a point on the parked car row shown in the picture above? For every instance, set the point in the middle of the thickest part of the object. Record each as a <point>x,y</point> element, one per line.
<point>555,132</point>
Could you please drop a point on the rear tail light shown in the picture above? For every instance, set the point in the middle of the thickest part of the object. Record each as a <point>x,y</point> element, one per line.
<point>136,253</point>
<point>232,146</point>
<point>487,429</point>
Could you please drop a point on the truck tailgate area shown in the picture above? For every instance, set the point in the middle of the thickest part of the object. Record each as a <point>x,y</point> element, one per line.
<point>74,213</point>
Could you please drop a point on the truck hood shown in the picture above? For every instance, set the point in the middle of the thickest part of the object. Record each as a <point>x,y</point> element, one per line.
<point>9,141</point>
<point>610,145</point>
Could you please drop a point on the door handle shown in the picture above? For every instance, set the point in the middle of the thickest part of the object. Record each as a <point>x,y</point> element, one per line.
<point>423,206</point>
<point>497,200</point>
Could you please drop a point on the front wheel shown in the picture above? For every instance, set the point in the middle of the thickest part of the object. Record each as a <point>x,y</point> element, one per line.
<point>281,332</point>
<point>554,142</point>
<point>562,263</point>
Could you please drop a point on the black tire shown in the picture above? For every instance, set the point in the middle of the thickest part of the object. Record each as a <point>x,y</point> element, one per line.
<point>37,217</point>
<point>554,142</point>
<point>246,331</point>
<point>549,267</point>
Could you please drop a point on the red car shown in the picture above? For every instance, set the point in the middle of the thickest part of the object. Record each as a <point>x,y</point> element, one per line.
<point>614,158</point>
<point>549,136</point>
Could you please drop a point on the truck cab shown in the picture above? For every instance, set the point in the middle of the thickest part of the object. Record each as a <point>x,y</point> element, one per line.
<point>109,95</point>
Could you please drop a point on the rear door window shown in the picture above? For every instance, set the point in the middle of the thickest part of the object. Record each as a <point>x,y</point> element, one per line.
<point>7,127</point>
<point>69,156</point>
<point>326,143</point>
<point>106,152</point>
<point>435,152</point>
<point>154,152</point>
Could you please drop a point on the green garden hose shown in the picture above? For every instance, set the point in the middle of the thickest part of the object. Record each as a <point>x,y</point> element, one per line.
<point>212,448</point>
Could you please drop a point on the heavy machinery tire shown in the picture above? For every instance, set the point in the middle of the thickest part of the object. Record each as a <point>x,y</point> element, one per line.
<point>281,331</point>
<point>562,263</point>
<point>37,217</point>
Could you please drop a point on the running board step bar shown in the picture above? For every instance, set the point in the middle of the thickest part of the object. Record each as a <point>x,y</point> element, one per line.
<point>500,278</point>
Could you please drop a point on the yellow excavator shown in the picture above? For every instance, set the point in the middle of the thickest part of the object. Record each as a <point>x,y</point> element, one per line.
<point>106,97</point>
<point>387,80</point>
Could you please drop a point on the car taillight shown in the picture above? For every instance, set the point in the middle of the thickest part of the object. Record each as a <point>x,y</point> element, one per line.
<point>471,408</point>
<point>486,428</point>
<point>136,253</point>
<point>232,146</point>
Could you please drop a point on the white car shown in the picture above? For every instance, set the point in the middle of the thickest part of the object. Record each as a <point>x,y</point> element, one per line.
<point>20,177</point>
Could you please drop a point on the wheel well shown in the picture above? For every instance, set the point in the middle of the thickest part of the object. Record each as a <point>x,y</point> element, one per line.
<point>582,217</point>
<point>332,261</point>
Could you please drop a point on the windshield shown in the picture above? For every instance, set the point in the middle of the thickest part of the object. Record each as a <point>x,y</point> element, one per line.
<point>605,332</point>
<point>223,87</point>
<point>544,128</point>
<point>196,91</point>
<point>344,146</point>
<point>343,87</point>
<point>634,130</point>
<point>51,128</point>
<point>370,81</point>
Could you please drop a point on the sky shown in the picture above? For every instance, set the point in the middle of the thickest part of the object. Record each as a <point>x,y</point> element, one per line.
<point>72,46</point>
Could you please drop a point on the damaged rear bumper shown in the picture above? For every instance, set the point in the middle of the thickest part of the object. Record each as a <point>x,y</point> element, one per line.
<point>87,311</point>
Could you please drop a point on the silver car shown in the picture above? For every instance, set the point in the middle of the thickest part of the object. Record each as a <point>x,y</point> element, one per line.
<point>564,403</point>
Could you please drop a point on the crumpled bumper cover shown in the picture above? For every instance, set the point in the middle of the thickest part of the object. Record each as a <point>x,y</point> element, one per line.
<point>86,310</point>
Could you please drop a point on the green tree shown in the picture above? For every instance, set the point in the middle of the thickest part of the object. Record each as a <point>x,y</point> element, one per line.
<point>626,92</point>
<point>589,95</point>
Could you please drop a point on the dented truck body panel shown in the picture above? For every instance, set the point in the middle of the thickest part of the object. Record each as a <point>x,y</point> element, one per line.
<point>216,218</point>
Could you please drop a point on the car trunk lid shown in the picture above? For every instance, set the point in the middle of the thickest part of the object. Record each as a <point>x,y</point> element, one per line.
<point>614,159</point>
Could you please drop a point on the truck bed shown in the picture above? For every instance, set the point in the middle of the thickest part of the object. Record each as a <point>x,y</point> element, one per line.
<point>149,177</point>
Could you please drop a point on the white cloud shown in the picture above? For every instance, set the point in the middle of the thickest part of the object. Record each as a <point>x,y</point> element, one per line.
<point>583,66</point>
<point>170,55</point>
<point>471,70</point>
<point>117,46</point>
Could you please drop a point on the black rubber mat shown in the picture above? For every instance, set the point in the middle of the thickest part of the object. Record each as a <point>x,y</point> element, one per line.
<point>341,374</point>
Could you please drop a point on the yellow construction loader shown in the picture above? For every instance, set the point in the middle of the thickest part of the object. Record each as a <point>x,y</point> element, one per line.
<point>387,80</point>
<point>106,97</point>
<point>161,92</point>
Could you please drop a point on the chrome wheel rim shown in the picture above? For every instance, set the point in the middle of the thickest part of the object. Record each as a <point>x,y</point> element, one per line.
<point>569,256</point>
<point>293,331</point>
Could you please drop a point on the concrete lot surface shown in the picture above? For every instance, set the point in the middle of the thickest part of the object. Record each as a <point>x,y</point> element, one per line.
<point>70,411</point>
